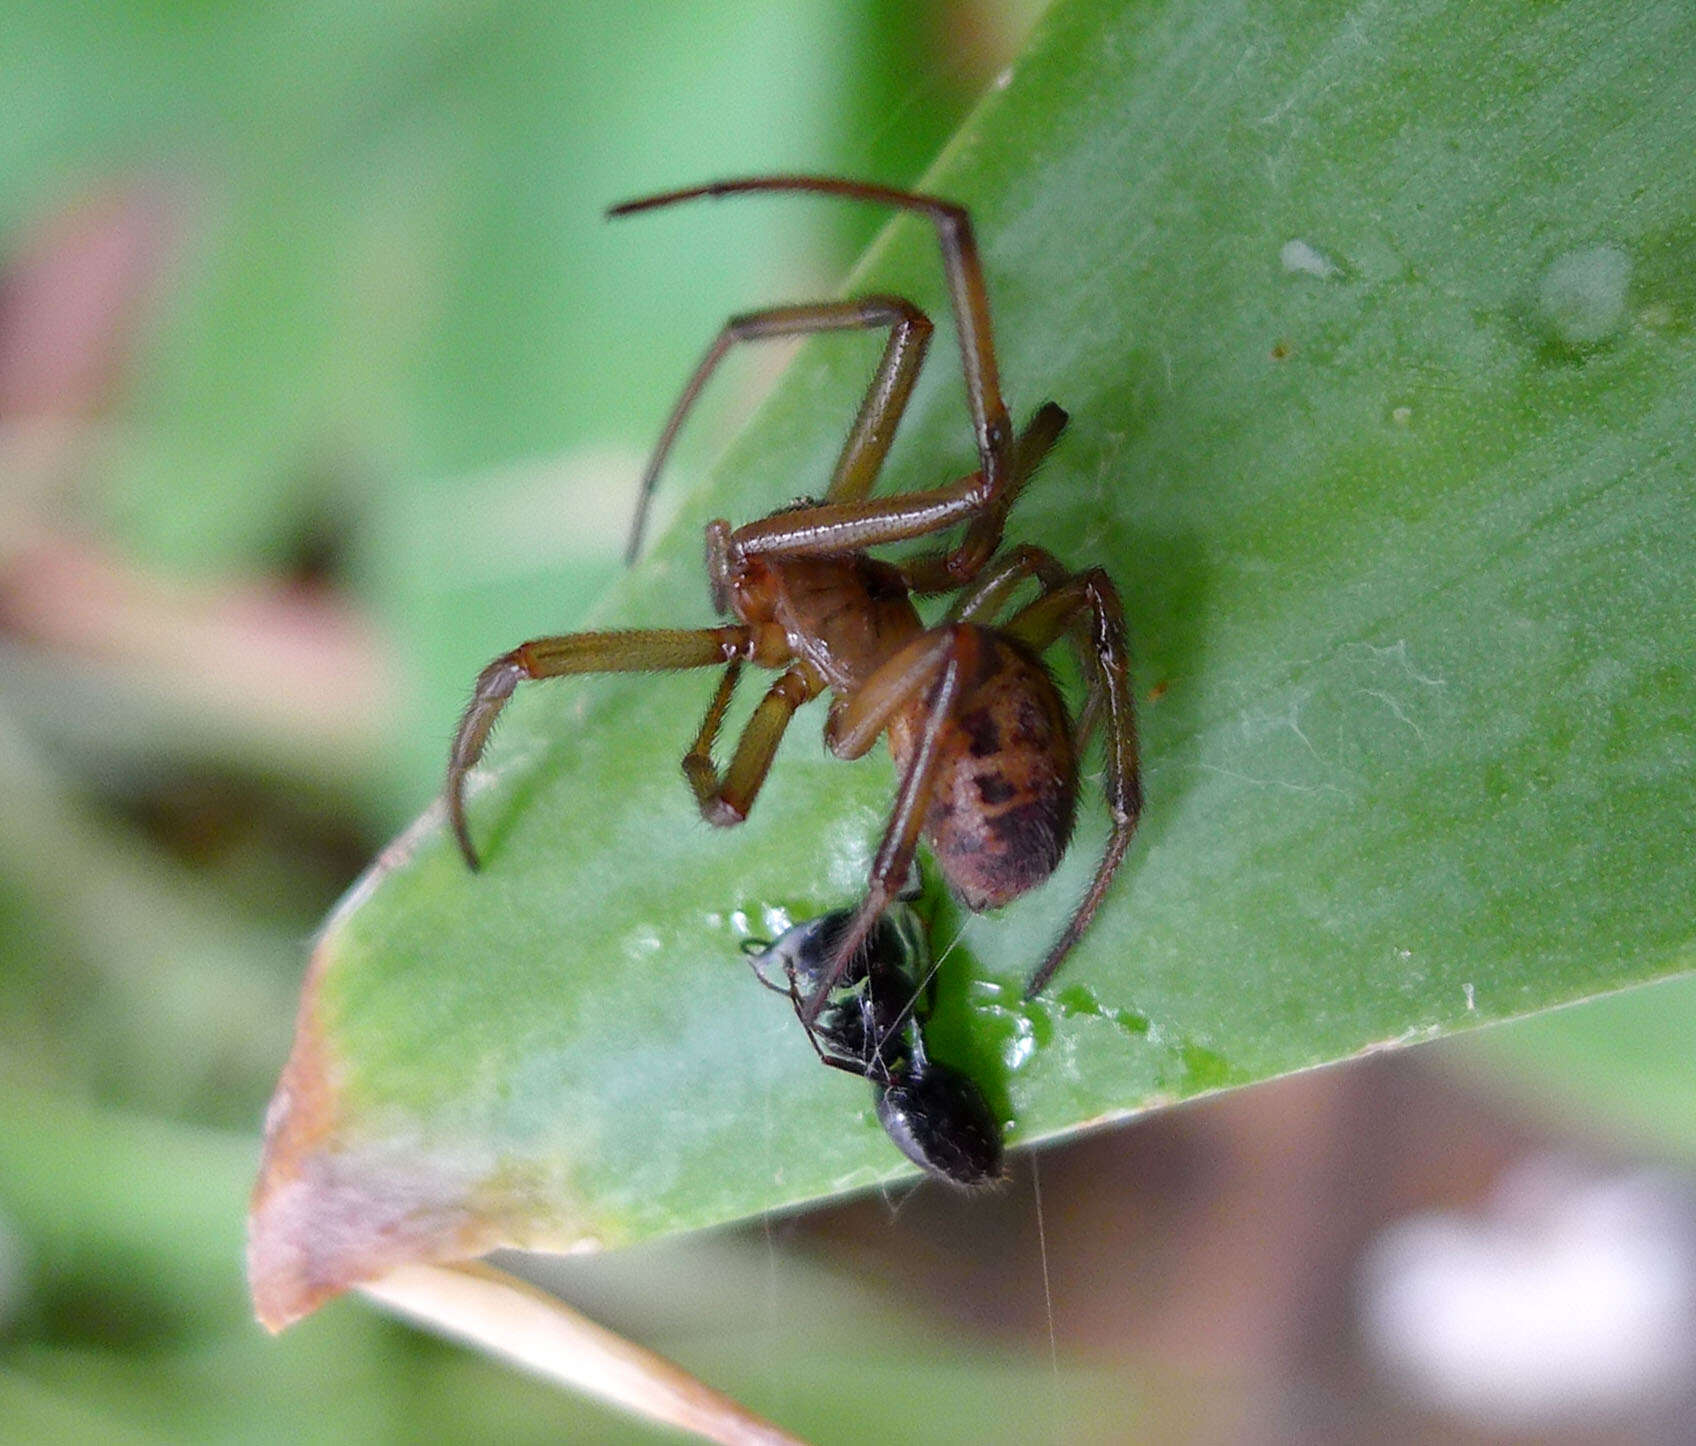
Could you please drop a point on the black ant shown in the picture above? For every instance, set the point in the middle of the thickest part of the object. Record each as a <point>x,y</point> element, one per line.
<point>987,753</point>
<point>871,1024</point>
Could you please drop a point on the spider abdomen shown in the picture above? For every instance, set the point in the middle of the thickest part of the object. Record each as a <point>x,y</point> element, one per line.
<point>1007,780</point>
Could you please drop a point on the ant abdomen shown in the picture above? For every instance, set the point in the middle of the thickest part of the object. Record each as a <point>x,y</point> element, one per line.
<point>940,1121</point>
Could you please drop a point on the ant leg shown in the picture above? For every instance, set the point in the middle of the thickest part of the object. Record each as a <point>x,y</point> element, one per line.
<point>858,1070</point>
<point>654,651</point>
<point>936,662</point>
<point>885,400</point>
<point>966,291</point>
<point>787,990</point>
<point>727,801</point>
<point>1037,626</point>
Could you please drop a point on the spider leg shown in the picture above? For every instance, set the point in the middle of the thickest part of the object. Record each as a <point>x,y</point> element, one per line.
<point>654,651</point>
<point>727,800</point>
<point>699,758</point>
<point>1092,593</point>
<point>830,528</point>
<point>858,718</point>
<point>981,602</point>
<point>835,526</point>
<point>944,571</point>
<point>967,294</point>
<point>935,662</point>
<point>984,498</point>
<point>993,588</point>
<point>885,400</point>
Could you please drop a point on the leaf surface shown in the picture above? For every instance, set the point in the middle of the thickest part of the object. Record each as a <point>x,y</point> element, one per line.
<point>1375,325</point>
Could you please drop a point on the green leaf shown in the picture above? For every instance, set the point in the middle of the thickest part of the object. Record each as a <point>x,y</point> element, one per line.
<point>1376,330</point>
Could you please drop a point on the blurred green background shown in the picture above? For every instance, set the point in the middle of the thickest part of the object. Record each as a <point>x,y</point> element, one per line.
<point>320,377</point>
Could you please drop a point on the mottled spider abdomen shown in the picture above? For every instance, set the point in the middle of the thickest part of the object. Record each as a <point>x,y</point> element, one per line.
<point>1007,784</point>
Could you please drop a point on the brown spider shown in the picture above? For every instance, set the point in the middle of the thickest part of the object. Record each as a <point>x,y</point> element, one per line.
<point>987,753</point>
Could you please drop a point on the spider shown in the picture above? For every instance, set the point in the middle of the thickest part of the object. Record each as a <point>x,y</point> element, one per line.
<point>872,1025</point>
<point>986,751</point>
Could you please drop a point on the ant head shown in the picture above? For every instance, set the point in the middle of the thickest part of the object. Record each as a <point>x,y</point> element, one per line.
<point>940,1120</point>
<point>895,950</point>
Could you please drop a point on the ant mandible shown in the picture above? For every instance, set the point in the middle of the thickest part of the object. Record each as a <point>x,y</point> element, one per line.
<point>987,754</point>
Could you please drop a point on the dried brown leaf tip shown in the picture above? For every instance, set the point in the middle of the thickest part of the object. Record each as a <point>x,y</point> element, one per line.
<point>345,1195</point>
<point>325,1214</point>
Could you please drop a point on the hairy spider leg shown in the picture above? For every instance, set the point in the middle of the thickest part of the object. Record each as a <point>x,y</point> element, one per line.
<point>1038,625</point>
<point>1018,563</point>
<point>832,528</point>
<point>653,651</point>
<point>935,662</point>
<point>931,572</point>
<point>726,801</point>
<point>880,410</point>
<point>969,300</point>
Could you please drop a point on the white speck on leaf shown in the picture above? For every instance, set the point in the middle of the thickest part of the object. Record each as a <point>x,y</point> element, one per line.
<point>1301,259</point>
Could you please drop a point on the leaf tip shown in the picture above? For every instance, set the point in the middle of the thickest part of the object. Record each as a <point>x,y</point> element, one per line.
<point>344,1196</point>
